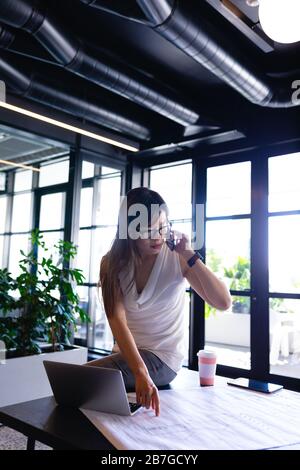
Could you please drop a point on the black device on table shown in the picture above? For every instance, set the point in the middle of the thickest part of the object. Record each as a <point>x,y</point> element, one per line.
<point>256,385</point>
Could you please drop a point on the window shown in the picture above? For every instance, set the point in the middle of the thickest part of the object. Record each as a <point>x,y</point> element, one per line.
<point>284,254</point>
<point>284,262</point>
<point>107,190</point>
<point>99,332</point>
<point>21,214</point>
<point>86,207</point>
<point>228,190</point>
<point>18,242</point>
<point>52,220</point>
<point>88,170</point>
<point>228,232</point>
<point>284,183</point>
<point>16,220</point>
<point>174,184</point>
<point>52,211</point>
<point>105,170</point>
<point>3,204</point>
<point>54,173</point>
<point>99,207</point>
<point>228,255</point>
<point>252,233</point>
<point>25,189</point>
<point>23,180</point>
<point>2,181</point>
<point>1,250</point>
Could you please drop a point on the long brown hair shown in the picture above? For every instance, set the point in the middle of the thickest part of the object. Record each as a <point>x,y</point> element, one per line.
<point>124,251</point>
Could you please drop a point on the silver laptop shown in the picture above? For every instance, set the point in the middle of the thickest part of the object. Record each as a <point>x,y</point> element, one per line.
<point>93,388</point>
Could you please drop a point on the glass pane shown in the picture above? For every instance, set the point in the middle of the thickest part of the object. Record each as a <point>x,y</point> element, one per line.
<point>1,251</point>
<point>88,170</point>
<point>86,206</point>
<point>2,181</point>
<point>174,184</point>
<point>284,253</point>
<point>21,215</point>
<point>102,240</point>
<point>229,190</point>
<point>228,254</point>
<point>3,205</point>
<point>17,243</point>
<point>284,183</point>
<point>52,211</point>
<point>284,320</point>
<point>105,170</point>
<point>83,293</point>
<point>240,304</point>
<point>84,253</point>
<point>108,201</point>
<point>228,333</point>
<point>23,180</point>
<point>50,239</point>
<point>100,335</point>
<point>54,173</point>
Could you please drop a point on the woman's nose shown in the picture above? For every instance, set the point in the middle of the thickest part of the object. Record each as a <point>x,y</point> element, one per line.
<point>155,234</point>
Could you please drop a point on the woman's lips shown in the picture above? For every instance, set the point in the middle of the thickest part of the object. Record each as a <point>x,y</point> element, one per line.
<point>157,245</point>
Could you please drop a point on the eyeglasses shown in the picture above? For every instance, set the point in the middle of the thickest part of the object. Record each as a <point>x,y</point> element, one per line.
<point>161,232</point>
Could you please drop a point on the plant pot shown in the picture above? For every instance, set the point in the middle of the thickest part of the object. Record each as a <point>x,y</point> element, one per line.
<point>24,378</point>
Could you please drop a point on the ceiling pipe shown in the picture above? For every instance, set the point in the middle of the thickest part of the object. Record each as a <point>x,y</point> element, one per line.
<point>128,9</point>
<point>191,33</point>
<point>79,59</point>
<point>6,37</point>
<point>56,96</point>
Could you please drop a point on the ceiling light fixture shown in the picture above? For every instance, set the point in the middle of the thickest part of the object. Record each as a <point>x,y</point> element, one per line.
<point>280,19</point>
<point>63,125</point>
<point>19,165</point>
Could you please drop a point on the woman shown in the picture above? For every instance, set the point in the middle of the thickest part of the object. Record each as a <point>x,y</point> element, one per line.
<point>143,288</point>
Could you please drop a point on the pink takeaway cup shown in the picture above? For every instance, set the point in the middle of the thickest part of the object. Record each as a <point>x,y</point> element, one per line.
<point>207,361</point>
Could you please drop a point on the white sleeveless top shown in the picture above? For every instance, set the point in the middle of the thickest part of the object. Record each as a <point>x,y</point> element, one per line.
<point>155,317</point>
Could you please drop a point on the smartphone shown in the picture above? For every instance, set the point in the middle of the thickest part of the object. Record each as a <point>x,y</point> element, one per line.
<point>171,241</point>
<point>256,385</point>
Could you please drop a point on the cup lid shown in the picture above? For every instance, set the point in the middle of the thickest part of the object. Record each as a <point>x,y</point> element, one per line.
<point>207,353</point>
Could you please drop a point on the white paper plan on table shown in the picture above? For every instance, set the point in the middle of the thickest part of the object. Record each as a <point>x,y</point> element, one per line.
<point>219,417</point>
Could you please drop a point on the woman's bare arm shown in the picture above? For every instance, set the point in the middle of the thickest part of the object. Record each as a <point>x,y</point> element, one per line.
<point>146,391</point>
<point>125,339</point>
<point>207,285</point>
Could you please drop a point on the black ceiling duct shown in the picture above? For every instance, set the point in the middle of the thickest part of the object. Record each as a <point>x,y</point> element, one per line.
<point>189,31</point>
<point>75,57</point>
<point>6,37</point>
<point>126,9</point>
<point>62,98</point>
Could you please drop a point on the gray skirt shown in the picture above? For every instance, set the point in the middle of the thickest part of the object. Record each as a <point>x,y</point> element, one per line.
<point>160,373</point>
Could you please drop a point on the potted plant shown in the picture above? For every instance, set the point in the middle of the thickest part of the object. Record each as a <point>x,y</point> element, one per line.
<point>40,304</point>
